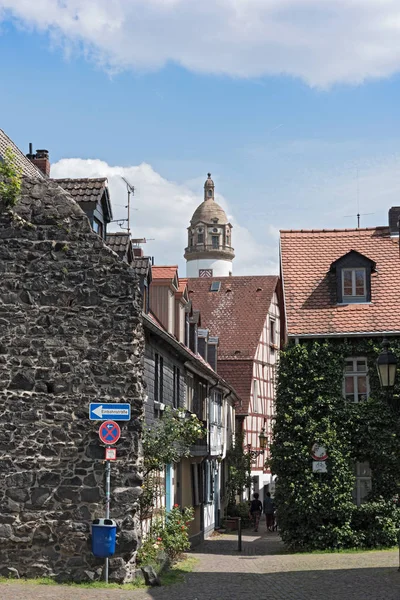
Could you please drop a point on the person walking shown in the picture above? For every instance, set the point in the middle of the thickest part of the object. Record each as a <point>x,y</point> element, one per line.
<point>269,509</point>
<point>256,510</point>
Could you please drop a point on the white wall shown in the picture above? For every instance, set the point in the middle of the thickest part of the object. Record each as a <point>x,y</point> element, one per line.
<point>220,268</point>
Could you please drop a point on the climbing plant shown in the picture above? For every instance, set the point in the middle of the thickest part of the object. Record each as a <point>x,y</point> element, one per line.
<point>167,441</point>
<point>10,180</point>
<point>316,511</point>
<point>239,468</point>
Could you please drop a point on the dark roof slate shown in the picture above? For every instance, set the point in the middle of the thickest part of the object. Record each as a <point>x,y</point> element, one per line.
<point>84,189</point>
<point>119,242</point>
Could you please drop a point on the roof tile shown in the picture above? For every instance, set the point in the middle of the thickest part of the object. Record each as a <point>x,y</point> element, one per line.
<point>310,287</point>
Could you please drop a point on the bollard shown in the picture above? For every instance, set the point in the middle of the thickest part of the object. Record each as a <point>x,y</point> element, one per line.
<point>239,534</point>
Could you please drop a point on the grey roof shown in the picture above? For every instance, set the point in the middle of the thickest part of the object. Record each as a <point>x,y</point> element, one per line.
<point>27,167</point>
<point>119,242</point>
<point>91,189</point>
<point>84,189</point>
<point>142,266</point>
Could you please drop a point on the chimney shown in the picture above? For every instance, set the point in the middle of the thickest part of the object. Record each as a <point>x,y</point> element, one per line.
<point>394,217</point>
<point>40,160</point>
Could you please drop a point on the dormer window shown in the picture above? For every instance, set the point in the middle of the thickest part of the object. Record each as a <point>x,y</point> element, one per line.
<point>353,278</point>
<point>354,285</point>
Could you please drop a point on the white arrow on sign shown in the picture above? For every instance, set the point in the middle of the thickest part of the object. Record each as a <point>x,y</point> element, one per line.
<point>98,411</point>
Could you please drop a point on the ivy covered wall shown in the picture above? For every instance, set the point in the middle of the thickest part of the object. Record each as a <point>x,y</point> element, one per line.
<point>316,511</point>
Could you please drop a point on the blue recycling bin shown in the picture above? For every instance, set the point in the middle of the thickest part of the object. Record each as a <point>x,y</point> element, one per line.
<point>103,537</point>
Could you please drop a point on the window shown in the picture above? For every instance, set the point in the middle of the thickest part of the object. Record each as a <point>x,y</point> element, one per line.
<point>215,286</point>
<point>200,238</point>
<point>195,484</point>
<point>272,331</point>
<point>353,285</point>
<point>191,241</point>
<point>363,484</point>
<point>353,277</point>
<point>255,396</point>
<point>98,227</point>
<point>210,193</point>
<point>356,387</point>
<point>189,391</point>
<point>199,406</point>
<point>215,241</point>
<point>158,378</point>
<point>176,392</point>
<point>208,479</point>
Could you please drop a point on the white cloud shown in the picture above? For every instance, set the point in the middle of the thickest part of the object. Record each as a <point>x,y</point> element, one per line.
<point>320,41</point>
<point>162,211</point>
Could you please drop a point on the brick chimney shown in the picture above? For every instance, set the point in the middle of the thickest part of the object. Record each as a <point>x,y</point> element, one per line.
<point>40,160</point>
<point>394,217</point>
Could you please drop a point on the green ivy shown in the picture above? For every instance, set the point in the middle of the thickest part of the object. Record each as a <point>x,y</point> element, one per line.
<point>167,441</point>
<point>316,511</point>
<point>10,180</point>
<point>239,469</point>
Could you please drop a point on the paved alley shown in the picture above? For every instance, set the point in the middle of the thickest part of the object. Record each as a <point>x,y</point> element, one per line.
<point>261,571</point>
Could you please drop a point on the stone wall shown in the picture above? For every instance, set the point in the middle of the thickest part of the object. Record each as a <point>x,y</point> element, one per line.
<point>70,334</point>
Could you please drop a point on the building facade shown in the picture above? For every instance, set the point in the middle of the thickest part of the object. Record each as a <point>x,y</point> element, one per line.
<point>178,375</point>
<point>339,288</point>
<point>245,314</point>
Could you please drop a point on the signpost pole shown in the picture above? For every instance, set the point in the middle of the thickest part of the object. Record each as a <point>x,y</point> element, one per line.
<point>108,496</point>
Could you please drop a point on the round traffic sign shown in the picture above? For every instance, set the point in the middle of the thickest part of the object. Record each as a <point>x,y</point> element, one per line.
<point>109,432</point>
<point>318,452</point>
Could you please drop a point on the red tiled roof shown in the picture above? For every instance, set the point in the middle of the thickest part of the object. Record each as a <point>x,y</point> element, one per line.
<point>182,285</point>
<point>168,272</point>
<point>239,374</point>
<point>236,314</point>
<point>310,287</point>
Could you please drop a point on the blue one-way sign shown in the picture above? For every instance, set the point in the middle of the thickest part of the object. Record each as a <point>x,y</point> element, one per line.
<point>103,412</point>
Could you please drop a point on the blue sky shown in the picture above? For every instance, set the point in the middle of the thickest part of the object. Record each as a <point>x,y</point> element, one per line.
<point>294,150</point>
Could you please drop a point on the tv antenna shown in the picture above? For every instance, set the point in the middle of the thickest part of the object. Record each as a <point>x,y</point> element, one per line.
<point>131,190</point>
<point>358,215</point>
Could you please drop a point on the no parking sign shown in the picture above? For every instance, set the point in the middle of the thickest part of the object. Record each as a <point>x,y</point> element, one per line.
<point>109,432</point>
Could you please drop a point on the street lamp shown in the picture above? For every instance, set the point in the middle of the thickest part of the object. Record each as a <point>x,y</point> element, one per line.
<point>386,364</point>
<point>263,444</point>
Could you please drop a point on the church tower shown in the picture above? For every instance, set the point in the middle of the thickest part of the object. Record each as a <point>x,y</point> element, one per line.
<point>209,252</point>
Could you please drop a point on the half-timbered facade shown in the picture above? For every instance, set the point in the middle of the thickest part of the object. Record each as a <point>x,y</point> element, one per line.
<point>245,313</point>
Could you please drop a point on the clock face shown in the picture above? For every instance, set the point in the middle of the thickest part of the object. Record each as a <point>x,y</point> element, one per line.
<point>205,273</point>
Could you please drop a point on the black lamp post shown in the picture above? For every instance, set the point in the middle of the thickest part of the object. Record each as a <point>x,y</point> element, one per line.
<point>263,444</point>
<point>387,365</point>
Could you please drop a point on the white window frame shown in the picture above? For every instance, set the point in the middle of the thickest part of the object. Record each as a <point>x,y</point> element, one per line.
<point>361,479</point>
<point>355,375</point>
<point>189,391</point>
<point>272,331</point>
<point>353,296</point>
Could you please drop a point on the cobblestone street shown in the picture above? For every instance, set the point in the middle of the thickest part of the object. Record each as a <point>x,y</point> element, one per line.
<point>261,571</point>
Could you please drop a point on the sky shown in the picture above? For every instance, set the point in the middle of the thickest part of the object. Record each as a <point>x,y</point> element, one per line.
<point>292,105</point>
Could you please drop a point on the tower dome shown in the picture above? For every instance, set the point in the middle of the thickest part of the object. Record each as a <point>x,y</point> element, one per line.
<point>209,252</point>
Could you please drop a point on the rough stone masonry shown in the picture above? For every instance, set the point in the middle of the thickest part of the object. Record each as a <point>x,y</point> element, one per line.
<point>70,334</point>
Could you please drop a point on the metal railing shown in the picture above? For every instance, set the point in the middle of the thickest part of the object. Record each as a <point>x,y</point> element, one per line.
<point>200,247</point>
